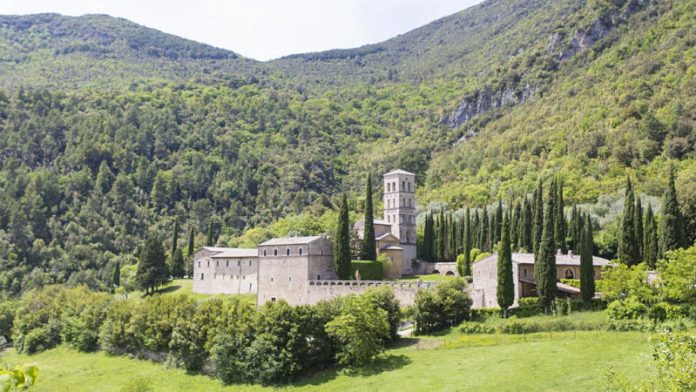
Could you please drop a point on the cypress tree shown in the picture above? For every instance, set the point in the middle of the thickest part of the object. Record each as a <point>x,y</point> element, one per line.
<point>587,283</point>
<point>428,240</point>
<point>538,219</point>
<point>506,289</point>
<point>191,242</point>
<point>638,228</point>
<point>210,239</point>
<point>178,266</point>
<point>152,267</point>
<point>515,227</point>
<point>485,235</point>
<point>342,257</point>
<point>628,249</point>
<point>467,244</point>
<point>369,246</point>
<point>526,226</point>
<point>575,235</point>
<point>116,276</point>
<point>671,221</point>
<point>498,223</point>
<point>560,228</point>
<point>545,263</point>
<point>650,241</point>
<point>175,237</point>
<point>476,230</point>
<point>453,236</point>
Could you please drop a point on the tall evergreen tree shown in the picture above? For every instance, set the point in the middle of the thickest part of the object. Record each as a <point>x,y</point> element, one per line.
<point>428,238</point>
<point>485,232</point>
<point>538,218</point>
<point>497,226</point>
<point>191,242</point>
<point>467,244</point>
<point>116,276</point>
<point>638,228</point>
<point>210,239</point>
<point>506,289</point>
<point>152,268</point>
<point>178,265</point>
<point>515,226</point>
<point>476,230</point>
<point>575,235</point>
<point>342,257</point>
<point>175,237</point>
<point>369,246</point>
<point>526,226</point>
<point>560,228</point>
<point>587,283</point>
<point>545,263</point>
<point>650,239</point>
<point>628,244</point>
<point>671,220</point>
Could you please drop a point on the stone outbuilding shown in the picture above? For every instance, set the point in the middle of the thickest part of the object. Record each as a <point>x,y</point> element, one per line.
<point>286,265</point>
<point>485,277</point>
<point>219,270</point>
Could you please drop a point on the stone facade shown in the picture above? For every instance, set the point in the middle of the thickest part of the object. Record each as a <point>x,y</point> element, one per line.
<point>485,277</point>
<point>225,271</point>
<point>405,292</point>
<point>286,265</point>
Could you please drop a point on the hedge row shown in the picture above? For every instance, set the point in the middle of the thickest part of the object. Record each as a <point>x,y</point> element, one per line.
<point>369,270</point>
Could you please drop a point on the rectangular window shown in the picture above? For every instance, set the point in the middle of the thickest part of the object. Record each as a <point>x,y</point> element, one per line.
<point>202,276</point>
<point>239,263</point>
<point>318,277</point>
<point>228,263</point>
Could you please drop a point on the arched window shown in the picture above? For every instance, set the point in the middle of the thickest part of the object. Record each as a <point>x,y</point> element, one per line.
<point>287,252</point>
<point>569,273</point>
<point>275,252</point>
<point>388,203</point>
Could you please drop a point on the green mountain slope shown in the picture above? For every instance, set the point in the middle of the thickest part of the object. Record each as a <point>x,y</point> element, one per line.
<point>109,131</point>
<point>50,50</point>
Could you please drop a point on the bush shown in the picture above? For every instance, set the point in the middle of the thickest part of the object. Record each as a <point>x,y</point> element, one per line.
<point>385,299</point>
<point>627,309</point>
<point>40,339</point>
<point>369,270</point>
<point>474,328</point>
<point>444,306</point>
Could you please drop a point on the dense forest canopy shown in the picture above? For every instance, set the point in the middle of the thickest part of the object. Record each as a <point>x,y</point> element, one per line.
<point>110,131</point>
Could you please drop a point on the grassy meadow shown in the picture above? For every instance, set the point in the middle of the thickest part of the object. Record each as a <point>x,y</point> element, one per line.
<point>567,361</point>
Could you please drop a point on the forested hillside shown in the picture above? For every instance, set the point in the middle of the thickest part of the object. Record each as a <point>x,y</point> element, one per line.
<point>109,130</point>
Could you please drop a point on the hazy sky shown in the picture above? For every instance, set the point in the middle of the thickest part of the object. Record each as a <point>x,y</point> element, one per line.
<point>262,29</point>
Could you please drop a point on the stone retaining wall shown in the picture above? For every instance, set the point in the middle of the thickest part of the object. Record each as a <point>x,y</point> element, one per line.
<point>318,290</point>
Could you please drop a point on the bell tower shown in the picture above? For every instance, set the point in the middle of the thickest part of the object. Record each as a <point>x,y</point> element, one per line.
<point>400,212</point>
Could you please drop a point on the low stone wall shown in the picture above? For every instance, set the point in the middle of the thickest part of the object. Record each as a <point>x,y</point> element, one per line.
<point>318,290</point>
<point>425,268</point>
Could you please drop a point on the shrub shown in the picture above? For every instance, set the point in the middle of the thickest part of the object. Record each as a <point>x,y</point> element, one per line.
<point>359,331</point>
<point>474,328</point>
<point>444,306</point>
<point>40,338</point>
<point>385,299</point>
<point>7,310</point>
<point>630,308</point>
<point>369,270</point>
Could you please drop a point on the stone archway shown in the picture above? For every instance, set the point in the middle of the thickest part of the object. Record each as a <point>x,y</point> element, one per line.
<point>449,273</point>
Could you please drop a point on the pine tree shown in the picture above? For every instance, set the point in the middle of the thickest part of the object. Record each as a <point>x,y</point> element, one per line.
<point>638,228</point>
<point>671,221</point>
<point>506,288</point>
<point>369,246</point>
<point>538,219</point>
<point>342,257</point>
<point>650,239</point>
<point>105,178</point>
<point>560,228</point>
<point>152,269</point>
<point>545,263</point>
<point>628,249</point>
<point>587,283</point>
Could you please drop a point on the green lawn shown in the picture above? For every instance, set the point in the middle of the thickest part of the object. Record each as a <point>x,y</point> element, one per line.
<point>428,278</point>
<point>569,361</point>
<point>184,286</point>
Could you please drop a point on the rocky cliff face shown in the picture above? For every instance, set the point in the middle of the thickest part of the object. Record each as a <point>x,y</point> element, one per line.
<point>559,49</point>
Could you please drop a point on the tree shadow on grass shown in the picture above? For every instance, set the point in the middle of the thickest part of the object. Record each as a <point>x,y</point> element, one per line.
<point>384,363</point>
<point>168,289</point>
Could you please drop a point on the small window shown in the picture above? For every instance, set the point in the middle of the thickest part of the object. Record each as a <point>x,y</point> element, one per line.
<point>217,263</point>
<point>239,263</point>
<point>289,278</point>
<point>388,219</point>
<point>202,276</point>
<point>409,186</point>
<point>273,299</point>
<point>244,277</point>
<point>271,279</point>
<point>249,286</point>
<point>287,252</point>
<point>228,263</point>
<point>275,252</point>
<point>199,263</point>
<point>208,263</point>
<point>318,277</point>
<point>264,252</point>
<point>215,275</point>
<point>300,251</point>
<point>569,274</point>
<point>524,271</point>
<point>249,263</point>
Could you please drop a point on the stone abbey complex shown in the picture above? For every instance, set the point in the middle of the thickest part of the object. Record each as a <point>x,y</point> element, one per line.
<point>300,270</point>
